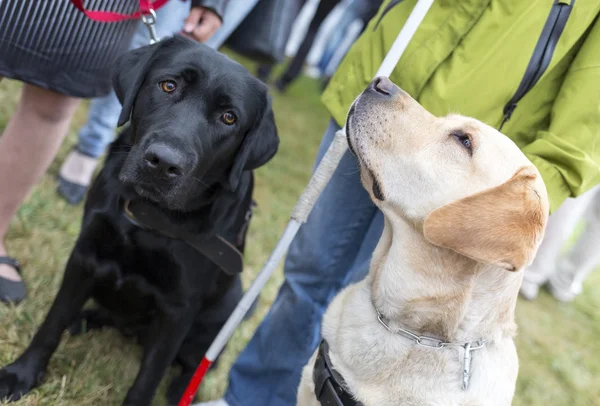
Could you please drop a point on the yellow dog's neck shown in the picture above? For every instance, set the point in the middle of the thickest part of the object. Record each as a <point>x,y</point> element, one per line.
<point>436,292</point>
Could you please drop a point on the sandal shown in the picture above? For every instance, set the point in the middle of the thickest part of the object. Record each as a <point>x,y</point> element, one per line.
<point>11,291</point>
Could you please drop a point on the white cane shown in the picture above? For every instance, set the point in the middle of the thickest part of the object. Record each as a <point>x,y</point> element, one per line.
<point>303,208</point>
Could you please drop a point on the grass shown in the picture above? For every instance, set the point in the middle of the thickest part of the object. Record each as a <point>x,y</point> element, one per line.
<point>558,344</point>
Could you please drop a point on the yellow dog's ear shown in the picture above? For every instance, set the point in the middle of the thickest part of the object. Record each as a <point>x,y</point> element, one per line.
<point>501,226</point>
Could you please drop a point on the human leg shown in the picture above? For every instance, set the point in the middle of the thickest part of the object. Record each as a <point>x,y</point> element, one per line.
<point>77,170</point>
<point>560,227</point>
<point>295,67</point>
<point>336,38</point>
<point>27,147</point>
<point>581,259</point>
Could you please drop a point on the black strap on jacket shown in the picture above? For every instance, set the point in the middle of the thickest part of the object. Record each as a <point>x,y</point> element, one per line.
<point>216,248</point>
<point>542,53</point>
<point>330,387</point>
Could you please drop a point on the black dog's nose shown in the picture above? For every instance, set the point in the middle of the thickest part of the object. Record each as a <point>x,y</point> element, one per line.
<point>384,86</point>
<point>164,160</point>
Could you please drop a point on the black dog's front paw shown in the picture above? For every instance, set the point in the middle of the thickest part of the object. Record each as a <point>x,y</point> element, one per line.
<point>16,380</point>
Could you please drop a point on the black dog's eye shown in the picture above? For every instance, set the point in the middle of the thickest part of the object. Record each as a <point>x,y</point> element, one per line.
<point>168,86</point>
<point>229,118</point>
<point>464,139</point>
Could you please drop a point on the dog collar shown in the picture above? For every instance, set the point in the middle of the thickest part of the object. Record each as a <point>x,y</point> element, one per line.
<point>330,386</point>
<point>216,248</point>
<point>437,344</point>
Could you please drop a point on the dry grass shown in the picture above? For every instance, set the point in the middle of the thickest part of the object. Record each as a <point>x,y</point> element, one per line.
<point>558,344</point>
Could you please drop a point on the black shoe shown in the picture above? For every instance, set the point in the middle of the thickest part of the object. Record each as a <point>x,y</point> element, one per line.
<point>73,193</point>
<point>11,291</point>
<point>281,85</point>
<point>263,72</point>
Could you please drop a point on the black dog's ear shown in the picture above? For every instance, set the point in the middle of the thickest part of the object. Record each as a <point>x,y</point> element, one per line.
<point>258,147</point>
<point>128,76</point>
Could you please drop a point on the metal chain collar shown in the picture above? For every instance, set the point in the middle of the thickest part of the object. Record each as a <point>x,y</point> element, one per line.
<point>437,344</point>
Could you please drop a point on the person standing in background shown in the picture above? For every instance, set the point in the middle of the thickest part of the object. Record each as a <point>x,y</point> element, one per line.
<point>295,67</point>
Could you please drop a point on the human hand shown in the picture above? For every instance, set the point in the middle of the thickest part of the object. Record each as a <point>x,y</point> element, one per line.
<point>201,24</point>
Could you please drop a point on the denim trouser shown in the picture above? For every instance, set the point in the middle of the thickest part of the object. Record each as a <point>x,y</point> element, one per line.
<point>332,250</point>
<point>337,38</point>
<point>103,114</point>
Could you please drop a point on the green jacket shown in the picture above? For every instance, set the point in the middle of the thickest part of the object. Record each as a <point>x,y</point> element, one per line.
<point>469,57</point>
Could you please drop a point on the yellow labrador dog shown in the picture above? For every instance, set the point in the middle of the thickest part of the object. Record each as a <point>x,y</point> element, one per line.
<point>433,322</point>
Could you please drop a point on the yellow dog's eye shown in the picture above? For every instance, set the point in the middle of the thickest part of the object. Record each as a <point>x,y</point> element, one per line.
<point>168,86</point>
<point>229,118</point>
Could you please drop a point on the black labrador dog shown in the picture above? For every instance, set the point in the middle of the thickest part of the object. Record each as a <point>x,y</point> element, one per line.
<point>199,124</point>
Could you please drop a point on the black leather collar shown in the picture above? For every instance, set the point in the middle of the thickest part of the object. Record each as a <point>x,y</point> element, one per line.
<point>330,387</point>
<point>216,248</point>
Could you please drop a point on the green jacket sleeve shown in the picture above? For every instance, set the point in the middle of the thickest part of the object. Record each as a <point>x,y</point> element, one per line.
<point>568,153</point>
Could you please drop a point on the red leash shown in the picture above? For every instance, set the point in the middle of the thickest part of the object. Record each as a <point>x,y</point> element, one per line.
<point>112,17</point>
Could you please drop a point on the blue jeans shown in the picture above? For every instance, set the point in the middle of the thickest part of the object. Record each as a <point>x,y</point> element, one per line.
<point>332,250</point>
<point>338,36</point>
<point>104,112</point>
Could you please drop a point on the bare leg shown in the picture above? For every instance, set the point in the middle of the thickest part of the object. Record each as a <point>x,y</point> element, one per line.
<point>27,147</point>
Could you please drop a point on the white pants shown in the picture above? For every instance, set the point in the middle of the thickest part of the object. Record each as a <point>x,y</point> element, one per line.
<point>567,272</point>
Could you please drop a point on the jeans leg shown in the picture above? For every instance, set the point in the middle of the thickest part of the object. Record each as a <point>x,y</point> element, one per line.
<point>295,66</point>
<point>104,112</point>
<point>332,44</point>
<point>337,38</point>
<point>99,129</point>
<point>268,371</point>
